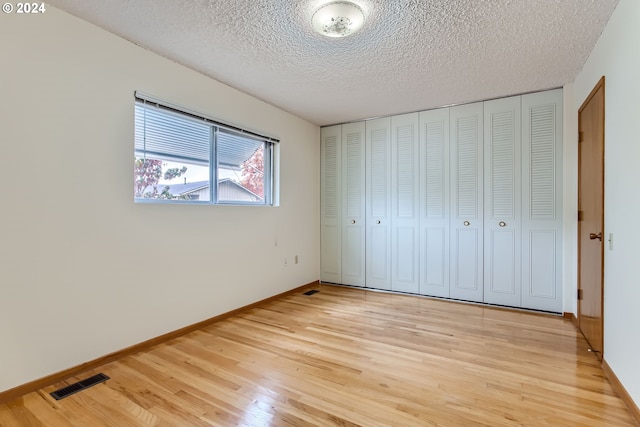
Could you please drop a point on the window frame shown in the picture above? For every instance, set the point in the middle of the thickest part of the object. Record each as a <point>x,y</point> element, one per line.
<point>270,147</point>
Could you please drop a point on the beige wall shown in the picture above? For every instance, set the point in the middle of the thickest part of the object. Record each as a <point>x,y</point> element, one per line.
<point>570,201</point>
<point>617,57</point>
<point>83,270</point>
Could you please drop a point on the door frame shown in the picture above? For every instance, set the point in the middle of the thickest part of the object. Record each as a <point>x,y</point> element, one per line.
<point>599,85</point>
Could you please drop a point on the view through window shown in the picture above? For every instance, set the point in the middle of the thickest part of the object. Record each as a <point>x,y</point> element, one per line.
<point>178,155</point>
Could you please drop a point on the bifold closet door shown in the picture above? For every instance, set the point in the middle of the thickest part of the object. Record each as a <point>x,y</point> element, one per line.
<point>502,202</point>
<point>542,201</point>
<point>404,203</point>
<point>331,204</point>
<point>434,202</point>
<point>353,204</point>
<point>378,203</point>
<point>466,216</point>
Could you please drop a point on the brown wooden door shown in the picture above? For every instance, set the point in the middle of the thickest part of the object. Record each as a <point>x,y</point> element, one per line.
<point>591,218</point>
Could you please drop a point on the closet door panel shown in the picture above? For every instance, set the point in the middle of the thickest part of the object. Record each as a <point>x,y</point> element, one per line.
<point>378,203</point>
<point>405,258</point>
<point>466,192</point>
<point>378,258</point>
<point>502,204</point>
<point>352,260</point>
<point>542,256</point>
<point>353,204</point>
<point>434,257</point>
<point>404,203</point>
<point>434,202</point>
<point>331,204</point>
<point>467,263</point>
<point>500,268</point>
<point>542,200</point>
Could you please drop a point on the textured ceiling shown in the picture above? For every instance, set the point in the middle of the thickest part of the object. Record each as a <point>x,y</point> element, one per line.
<point>411,55</point>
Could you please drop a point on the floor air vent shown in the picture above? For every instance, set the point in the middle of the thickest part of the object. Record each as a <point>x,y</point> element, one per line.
<point>79,386</point>
<point>311,292</point>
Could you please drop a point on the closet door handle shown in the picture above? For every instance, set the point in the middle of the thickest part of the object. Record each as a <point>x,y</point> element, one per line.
<point>378,222</point>
<point>502,224</point>
<point>466,223</point>
<point>353,221</point>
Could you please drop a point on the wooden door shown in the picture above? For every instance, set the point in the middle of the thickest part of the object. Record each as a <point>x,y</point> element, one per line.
<point>353,205</point>
<point>591,217</point>
<point>331,204</point>
<point>466,229</point>
<point>378,203</point>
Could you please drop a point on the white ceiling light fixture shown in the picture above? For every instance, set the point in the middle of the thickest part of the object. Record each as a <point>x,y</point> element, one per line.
<point>338,19</point>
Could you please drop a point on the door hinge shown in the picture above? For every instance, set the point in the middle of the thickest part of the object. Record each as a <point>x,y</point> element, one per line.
<point>579,294</point>
<point>580,136</point>
<point>580,215</point>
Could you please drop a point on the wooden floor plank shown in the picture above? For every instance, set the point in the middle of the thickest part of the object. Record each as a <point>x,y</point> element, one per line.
<point>349,357</point>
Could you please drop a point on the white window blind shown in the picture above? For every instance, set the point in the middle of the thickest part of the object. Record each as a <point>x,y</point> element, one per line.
<point>234,149</point>
<point>161,133</point>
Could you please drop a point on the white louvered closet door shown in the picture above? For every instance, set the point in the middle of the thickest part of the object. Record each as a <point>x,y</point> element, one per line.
<point>502,202</point>
<point>331,204</point>
<point>353,204</point>
<point>434,202</point>
<point>542,201</point>
<point>378,203</point>
<point>404,203</point>
<point>466,238</point>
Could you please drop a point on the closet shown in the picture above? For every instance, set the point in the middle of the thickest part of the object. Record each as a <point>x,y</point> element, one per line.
<point>404,203</point>
<point>461,202</point>
<point>378,203</point>
<point>434,202</point>
<point>502,201</point>
<point>466,192</point>
<point>343,204</point>
<point>542,201</point>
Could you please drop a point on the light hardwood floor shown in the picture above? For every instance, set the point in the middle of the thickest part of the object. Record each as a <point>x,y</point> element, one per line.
<point>348,357</point>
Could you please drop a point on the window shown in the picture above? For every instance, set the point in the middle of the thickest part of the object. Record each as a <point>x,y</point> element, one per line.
<point>179,154</point>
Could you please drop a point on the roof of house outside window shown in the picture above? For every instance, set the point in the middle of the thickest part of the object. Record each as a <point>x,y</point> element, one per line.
<point>228,190</point>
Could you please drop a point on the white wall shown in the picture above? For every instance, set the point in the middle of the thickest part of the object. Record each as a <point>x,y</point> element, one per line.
<point>83,270</point>
<point>617,57</point>
<point>570,201</point>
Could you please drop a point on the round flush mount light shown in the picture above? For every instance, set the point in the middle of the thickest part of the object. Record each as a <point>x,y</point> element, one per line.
<point>338,19</point>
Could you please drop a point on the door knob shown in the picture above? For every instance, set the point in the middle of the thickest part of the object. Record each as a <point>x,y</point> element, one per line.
<point>594,236</point>
<point>467,223</point>
<point>502,224</point>
<point>378,222</point>
<point>353,221</point>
